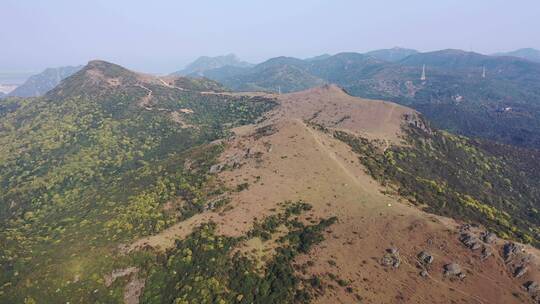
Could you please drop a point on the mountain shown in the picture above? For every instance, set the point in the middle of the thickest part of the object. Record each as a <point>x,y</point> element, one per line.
<point>121,187</point>
<point>450,58</point>
<point>285,74</point>
<point>39,84</point>
<point>2,95</point>
<point>319,57</point>
<point>502,106</point>
<point>95,160</point>
<point>345,67</point>
<point>393,54</point>
<point>205,63</point>
<point>527,53</point>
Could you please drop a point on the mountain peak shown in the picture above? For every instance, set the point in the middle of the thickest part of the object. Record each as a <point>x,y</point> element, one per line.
<point>205,63</point>
<point>392,55</point>
<point>106,68</point>
<point>96,76</point>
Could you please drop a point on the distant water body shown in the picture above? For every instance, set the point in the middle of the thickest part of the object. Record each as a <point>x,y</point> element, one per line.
<point>16,78</point>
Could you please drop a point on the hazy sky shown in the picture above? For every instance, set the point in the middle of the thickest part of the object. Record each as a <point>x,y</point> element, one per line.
<point>162,36</point>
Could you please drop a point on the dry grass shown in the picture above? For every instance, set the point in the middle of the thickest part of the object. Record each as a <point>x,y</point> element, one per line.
<point>300,163</point>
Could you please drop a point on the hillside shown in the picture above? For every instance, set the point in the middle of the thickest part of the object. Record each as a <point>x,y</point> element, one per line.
<point>287,74</point>
<point>502,106</point>
<point>299,154</point>
<point>91,164</point>
<point>124,187</point>
<point>39,84</point>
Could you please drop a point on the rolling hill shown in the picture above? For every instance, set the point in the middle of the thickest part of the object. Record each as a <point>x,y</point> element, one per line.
<point>124,187</point>
<point>527,53</point>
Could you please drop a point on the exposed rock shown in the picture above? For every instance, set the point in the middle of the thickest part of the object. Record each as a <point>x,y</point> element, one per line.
<point>486,253</point>
<point>475,246</point>
<point>392,250</point>
<point>216,168</point>
<point>452,269</point>
<point>489,237</point>
<point>470,240</point>
<point>425,258</point>
<point>424,273</point>
<point>187,165</point>
<point>532,287</point>
<point>387,260</point>
<point>509,251</point>
<point>520,271</point>
<point>465,228</point>
<point>391,258</point>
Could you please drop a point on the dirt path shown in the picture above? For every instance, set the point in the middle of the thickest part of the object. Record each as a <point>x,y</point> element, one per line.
<point>170,86</point>
<point>332,156</point>
<point>146,100</point>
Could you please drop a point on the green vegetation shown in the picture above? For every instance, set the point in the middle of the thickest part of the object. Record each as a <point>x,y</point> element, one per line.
<point>503,106</point>
<point>86,168</point>
<point>205,268</point>
<point>461,178</point>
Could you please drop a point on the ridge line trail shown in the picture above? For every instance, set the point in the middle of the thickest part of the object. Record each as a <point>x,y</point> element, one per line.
<point>169,85</point>
<point>332,156</point>
<point>387,118</point>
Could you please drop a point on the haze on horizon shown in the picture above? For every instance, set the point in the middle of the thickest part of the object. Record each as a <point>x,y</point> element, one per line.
<point>163,36</point>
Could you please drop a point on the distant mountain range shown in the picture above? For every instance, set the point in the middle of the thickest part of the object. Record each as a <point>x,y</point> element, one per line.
<point>41,83</point>
<point>527,53</point>
<point>504,105</point>
<point>205,63</point>
<point>393,54</point>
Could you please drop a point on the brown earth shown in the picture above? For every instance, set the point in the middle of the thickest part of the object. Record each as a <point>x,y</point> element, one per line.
<point>295,161</point>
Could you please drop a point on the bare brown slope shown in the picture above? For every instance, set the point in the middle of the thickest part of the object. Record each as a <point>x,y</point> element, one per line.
<point>294,161</point>
<point>332,107</point>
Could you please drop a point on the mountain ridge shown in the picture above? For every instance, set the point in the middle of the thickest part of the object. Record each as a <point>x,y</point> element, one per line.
<point>205,63</point>
<point>41,83</point>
